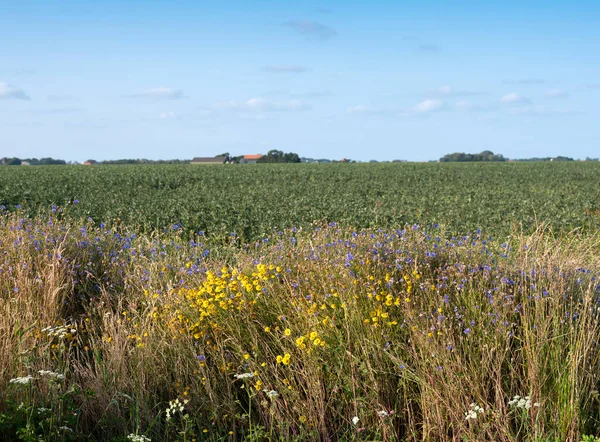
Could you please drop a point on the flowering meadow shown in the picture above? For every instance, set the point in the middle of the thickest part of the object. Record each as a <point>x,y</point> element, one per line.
<point>316,333</point>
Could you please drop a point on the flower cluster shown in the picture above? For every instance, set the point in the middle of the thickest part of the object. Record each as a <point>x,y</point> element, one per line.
<point>24,380</point>
<point>174,407</point>
<point>473,412</point>
<point>138,438</point>
<point>285,359</point>
<point>522,402</point>
<point>244,376</point>
<point>51,375</point>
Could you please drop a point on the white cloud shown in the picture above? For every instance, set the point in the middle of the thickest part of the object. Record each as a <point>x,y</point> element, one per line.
<point>57,110</point>
<point>163,93</point>
<point>423,108</point>
<point>463,105</point>
<point>527,81</point>
<point>467,106</point>
<point>59,97</point>
<point>167,115</point>
<point>428,106</point>
<point>555,93</point>
<point>285,69</point>
<point>259,104</point>
<point>311,29</point>
<point>544,111</point>
<point>293,94</point>
<point>361,109</point>
<point>430,48</point>
<point>513,99</point>
<point>358,109</point>
<point>8,92</point>
<point>445,90</point>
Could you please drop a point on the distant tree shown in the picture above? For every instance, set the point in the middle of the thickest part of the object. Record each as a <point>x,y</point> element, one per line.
<point>13,162</point>
<point>486,155</point>
<point>49,162</point>
<point>291,157</point>
<point>277,156</point>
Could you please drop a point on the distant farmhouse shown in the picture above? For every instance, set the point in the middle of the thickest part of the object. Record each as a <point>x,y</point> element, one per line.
<point>243,159</point>
<point>208,160</point>
<point>250,159</point>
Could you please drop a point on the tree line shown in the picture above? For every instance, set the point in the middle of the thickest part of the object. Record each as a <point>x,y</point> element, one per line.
<point>14,161</point>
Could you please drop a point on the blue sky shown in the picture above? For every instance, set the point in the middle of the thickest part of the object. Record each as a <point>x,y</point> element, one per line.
<point>363,80</point>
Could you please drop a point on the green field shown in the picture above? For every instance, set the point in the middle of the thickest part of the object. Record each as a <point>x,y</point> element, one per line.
<point>259,199</point>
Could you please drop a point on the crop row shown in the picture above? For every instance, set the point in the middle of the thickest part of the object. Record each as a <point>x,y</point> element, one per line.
<point>255,200</point>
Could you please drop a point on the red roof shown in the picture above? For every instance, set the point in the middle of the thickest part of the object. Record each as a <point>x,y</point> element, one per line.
<point>252,157</point>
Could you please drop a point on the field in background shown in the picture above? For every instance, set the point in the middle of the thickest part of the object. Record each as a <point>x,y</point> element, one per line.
<point>256,200</point>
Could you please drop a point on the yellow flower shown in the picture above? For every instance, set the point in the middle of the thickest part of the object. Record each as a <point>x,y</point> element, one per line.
<point>285,359</point>
<point>267,329</point>
<point>246,356</point>
<point>287,332</point>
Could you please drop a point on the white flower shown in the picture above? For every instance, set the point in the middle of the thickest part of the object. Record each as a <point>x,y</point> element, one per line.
<point>59,331</point>
<point>355,420</point>
<point>522,402</point>
<point>474,411</point>
<point>51,375</point>
<point>471,414</point>
<point>244,376</point>
<point>175,406</point>
<point>138,438</point>
<point>22,380</point>
<point>272,394</point>
<point>383,413</point>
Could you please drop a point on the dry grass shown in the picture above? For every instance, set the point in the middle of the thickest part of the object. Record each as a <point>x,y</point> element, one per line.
<point>403,330</point>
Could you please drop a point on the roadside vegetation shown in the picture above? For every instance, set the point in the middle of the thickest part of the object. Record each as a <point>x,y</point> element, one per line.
<point>320,332</point>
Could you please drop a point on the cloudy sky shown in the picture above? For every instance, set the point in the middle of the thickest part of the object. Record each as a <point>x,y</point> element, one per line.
<point>364,80</point>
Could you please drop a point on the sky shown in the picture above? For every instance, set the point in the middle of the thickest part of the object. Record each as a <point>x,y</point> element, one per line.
<point>364,80</point>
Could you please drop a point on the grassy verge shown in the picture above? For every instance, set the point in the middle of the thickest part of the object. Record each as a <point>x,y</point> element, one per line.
<point>325,333</point>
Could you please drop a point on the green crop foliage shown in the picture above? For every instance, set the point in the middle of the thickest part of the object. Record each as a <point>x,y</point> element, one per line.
<point>255,200</point>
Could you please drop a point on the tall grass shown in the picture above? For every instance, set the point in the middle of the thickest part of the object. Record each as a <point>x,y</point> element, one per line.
<point>321,334</point>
